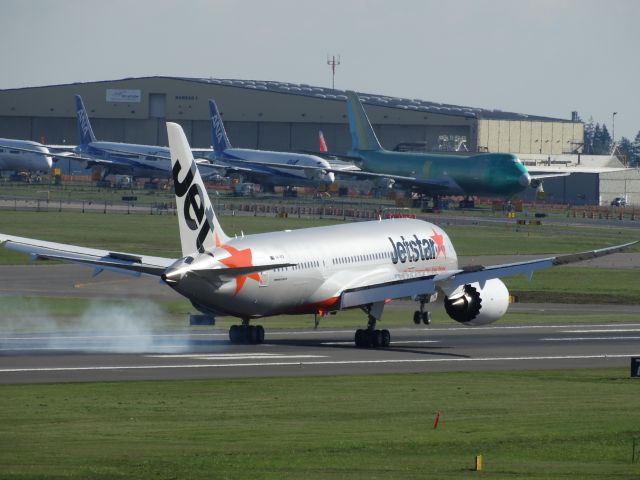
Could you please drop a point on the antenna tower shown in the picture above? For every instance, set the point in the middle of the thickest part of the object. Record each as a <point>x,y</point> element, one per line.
<point>333,62</point>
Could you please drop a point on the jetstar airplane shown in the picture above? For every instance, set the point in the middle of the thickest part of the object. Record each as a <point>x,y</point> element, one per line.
<point>313,270</point>
<point>485,174</point>
<point>267,167</point>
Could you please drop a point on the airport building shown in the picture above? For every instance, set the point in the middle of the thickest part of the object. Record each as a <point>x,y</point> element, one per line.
<point>270,115</point>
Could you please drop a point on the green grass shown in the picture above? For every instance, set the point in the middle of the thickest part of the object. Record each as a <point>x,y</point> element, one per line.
<point>158,234</point>
<point>576,424</point>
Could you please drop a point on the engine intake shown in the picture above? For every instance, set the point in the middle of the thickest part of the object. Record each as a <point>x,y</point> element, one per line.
<point>473,305</point>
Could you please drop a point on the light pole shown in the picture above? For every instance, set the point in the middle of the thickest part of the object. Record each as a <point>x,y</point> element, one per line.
<point>613,128</point>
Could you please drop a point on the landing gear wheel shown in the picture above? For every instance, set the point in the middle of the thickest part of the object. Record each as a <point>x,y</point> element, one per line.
<point>386,338</point>
<point>251,335</point>
<point>259,334</point>
<point>376,339</point>
<point>362,339</point>
<point>235,334</point>
<point>426,318</point>
<point>417,316</point>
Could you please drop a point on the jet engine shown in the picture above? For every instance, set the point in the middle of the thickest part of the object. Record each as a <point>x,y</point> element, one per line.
<point>474,305</point>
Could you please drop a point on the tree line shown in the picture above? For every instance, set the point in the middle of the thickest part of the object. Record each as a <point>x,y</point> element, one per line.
<point>598,141</point>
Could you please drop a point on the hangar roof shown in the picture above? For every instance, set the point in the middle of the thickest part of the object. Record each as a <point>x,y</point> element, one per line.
<point>373,99</point>
<point>368,98</point>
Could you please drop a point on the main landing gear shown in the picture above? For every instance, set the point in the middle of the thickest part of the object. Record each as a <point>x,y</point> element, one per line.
<point>245,333</point>
<point>370,337</point>
<point>422,315</point>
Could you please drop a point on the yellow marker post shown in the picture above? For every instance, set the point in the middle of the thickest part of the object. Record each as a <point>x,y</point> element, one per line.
<point>478,463</point>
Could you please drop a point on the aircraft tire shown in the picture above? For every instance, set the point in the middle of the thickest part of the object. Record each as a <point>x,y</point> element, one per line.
<point>426,318</point>
<point>361,338</point>
<point>251,334</point>
<point>376,339</point>
<point>417,316</point>
<point>234,333</point>
<point>259,334</point>
<point>386,338</point>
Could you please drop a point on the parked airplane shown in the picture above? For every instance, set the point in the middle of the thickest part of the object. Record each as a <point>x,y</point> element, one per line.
<point>145,161</point>
<point>24,156</point>
<point>313,270</point>
<point>268,167</point>
<point>486,174</point>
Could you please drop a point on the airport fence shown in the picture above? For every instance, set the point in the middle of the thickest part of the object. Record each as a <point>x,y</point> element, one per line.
<point>362,211</point>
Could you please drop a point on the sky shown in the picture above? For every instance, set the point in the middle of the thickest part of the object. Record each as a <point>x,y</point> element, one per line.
<point>539,57</point>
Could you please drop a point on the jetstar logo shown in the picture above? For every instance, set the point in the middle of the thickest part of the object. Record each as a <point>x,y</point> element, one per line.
<point>193,203</point>
<point>238,259</point>
<point>416,249</point>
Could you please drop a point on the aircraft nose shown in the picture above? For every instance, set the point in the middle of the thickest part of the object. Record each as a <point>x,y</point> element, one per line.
<point>525,179</point>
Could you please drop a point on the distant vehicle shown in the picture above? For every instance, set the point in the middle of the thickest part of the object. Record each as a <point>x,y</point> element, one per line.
<point>619,202</point>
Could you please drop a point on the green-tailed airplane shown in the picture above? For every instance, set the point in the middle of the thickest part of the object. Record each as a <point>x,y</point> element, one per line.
<point>485,174</point>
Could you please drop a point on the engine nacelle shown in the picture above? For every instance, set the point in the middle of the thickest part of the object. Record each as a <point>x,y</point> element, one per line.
<point>472,305</point>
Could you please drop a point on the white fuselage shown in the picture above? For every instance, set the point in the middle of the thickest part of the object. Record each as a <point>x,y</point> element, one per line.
<point>327,261</point>
<point>23,161</point>
<point>281,175</point>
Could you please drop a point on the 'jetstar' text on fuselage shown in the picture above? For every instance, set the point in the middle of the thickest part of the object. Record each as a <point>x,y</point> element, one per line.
<point>412,250</point>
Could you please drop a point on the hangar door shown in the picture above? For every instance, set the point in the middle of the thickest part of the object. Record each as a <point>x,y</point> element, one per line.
<point>157,105</point>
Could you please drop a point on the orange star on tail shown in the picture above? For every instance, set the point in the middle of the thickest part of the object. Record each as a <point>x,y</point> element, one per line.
<point>239,258</point>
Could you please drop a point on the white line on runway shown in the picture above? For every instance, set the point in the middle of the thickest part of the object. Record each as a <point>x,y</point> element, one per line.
<point>316,363</point>
<point>235,356</point>
<point>583,339</point>
<point>394,342</point>
<point>608,330</point>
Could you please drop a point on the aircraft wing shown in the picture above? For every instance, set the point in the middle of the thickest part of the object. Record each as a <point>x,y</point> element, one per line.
<point>430,186</point>
<point>100,259</point>
<point>428,284</point>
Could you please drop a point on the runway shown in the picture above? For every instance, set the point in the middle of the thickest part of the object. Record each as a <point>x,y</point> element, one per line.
<point>172,355</point>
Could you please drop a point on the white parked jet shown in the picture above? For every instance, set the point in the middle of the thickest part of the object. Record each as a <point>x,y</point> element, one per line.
<point>268,167</point>
<point>24,156</point>
<point>313,270</point>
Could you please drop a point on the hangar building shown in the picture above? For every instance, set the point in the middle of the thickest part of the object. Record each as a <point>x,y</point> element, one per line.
<point>269,115</point>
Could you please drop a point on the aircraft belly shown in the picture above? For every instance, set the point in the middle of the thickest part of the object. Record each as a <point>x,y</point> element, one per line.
<point>281,295</point>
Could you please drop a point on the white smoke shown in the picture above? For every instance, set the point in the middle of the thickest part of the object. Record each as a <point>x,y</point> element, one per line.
<point>131,327</point>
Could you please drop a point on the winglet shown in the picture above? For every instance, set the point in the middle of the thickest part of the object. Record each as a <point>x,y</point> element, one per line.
<point>85,132</point>
<point>200,230</point>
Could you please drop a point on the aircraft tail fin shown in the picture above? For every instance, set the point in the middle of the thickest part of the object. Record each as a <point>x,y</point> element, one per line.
<point>218,134</point>
<point>362,135</point>
<point>85,132</point>
<point>322,143</point>
<point>200,230</point>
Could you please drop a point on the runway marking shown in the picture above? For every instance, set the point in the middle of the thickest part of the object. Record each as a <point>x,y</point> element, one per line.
<point>234,356</point>
<point>395,342</point>
<point>608,330</point>
<point>583,339</point>
<point>317,363</point>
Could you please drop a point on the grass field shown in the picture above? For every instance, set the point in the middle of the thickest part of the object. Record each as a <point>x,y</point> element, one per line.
<point>537,425</point>
<point>158,234</point>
